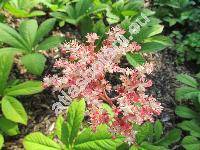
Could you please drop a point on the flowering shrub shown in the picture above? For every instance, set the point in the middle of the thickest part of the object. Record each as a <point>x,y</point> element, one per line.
<point>84,72</point>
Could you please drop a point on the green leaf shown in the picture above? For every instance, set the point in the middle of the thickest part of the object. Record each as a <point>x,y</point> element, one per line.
<point>26,88</point>
<point>62,16</point>
<point>146,32</point>
<point>198,75</point>
<point>38,141</point>
<point>190,126</point>
<point>34,63</point>
<point>133,147</point>
<point>191,143</point>
<point>12,50</point>
<point>1,141</point>
<point>129,13</point>
<point>22,8</point>
<point>135,59</point>
<point>101,139</point>
<point>144,132</point>
<point>11,37</point>
<point>185,112</point>
<point>158,130</point>
<point>160,39</point>
<point>44,29</point>
<point>50,42</point>
<point>28,30</point>
<point>154,30</point>
<point>186,93</point>
<point>8,127</point>
<point>188,80</point>
<point>6,62</point>
<point>75,117</point>
<point>36,13</point>
<point>112,18</point>
<point>123,146</point>
<point>19,13</point>
<point>149,146</point>
<point>59,122</point>
<point>62,130</point>
<point>86,26</point>
<point>172,137</point>
<point>13,110</point>
<point>152,47</point>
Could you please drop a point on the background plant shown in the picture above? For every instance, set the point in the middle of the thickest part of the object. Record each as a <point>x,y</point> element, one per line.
<point>190,113</point>
<point>97,16</point>
<point>12,110</point>
<point>71,136</point>
<point>178,16</point>
<point>127,12</point>
<point>78,11</point>
<point>151,136</point>
<point>56,5</point>
<point>23,8</point>
<point>28,40</point>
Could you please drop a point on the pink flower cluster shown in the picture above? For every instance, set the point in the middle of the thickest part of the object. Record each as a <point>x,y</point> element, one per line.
<point>83,75</point>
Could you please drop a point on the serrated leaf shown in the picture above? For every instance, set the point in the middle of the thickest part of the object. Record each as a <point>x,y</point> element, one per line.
<point>13,110</point>
<point>112,18</point>
<point>101,139</point>
<point>158,130</point>
<point>50,42</point>
<point>86,26</point>
<point>149,146</point>
<point>135,59</point>
<point>123,146</point>
<point>185,112</point>
<point>34,63</point>
<point>6,62</point>
<point>144,132</point>
<point>133,147</point>
<point>199,97</point>
<point>198,75</point>
<point>75,117</point>
<point>26,88</point>
<point>190,126</point>
<point>38,141</point>
<point>8,127</point>
<point>152,47</point>
<point>1,141</point>
<point>191,143</point>
<point>44,29</point>
<point>62,130</point>
<point>188,80</point>
<point>186,93</point>
<point>172,137</point>
<point>145,31</point>
<point>160,39</point>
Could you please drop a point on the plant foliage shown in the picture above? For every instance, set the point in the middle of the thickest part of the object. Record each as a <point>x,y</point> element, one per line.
<point>13,111</point>
<point>23,8</point>
<point>70,136</point>
<point>191,123</point>
<point>29,40</point>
